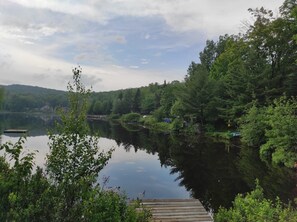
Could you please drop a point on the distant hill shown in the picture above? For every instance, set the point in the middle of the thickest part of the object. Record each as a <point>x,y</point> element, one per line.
<point>144,100</point>
<point>24,98</point>
<point>25,89</point>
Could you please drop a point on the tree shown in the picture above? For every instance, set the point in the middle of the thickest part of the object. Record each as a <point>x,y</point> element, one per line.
<point>212,51</point>
<point>209,54</point>
<point>272,37</point>
<point>272,129</point>
<point>147,103</point>
<point>74,160</point>
<point>1,95</point>
<point>97,107</point>
<point>136,103</point>
<point>197,96</point>
<point>128,101</point>
<point>68,191</point>
<point>281,132</point>
<point>252,127</point>
<point>22,192</point>
<point>168,97</point>
<point>239,72</point>
<point>107,107</point>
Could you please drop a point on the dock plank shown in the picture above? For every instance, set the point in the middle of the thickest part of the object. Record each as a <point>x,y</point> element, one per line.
<point>15,131</point>
<point>176,210</point>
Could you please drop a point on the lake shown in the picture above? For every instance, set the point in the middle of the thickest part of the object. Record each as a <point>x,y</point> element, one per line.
<point>147,164</point>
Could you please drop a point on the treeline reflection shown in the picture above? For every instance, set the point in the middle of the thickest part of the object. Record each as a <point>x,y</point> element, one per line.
<point>213,172</point>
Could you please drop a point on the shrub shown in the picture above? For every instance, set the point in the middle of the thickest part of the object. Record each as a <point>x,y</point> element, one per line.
<point>149,121</point>
<point>68,191</point>
<point>114,116</point>
<point>255,207</point>
<point>253,127</point>
<point>131,117</point>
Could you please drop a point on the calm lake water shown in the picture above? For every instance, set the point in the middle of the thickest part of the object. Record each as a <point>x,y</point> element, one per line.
<point>155,165</point>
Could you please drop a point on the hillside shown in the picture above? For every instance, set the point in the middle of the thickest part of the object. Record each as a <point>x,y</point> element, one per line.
<point>21,98</point>
<point>26,89</point>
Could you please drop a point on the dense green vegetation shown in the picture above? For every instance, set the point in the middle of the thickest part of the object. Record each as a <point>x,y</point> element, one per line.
<point>246,81</point>
<point>67,190</point>
<point>235,85</point>
<point>272,128</point>
<point>255,207</point>
<point>1,95</point>
<point>212,171</point>
<point>234,71</point>
<point>20,98</point>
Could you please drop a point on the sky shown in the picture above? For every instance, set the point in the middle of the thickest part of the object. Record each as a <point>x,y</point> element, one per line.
<point>118,43</point>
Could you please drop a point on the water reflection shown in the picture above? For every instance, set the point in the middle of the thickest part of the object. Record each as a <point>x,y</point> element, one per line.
<point>212,172</point>
<point>139,174</point>
<point>37,125</point>
<point>148,162</point>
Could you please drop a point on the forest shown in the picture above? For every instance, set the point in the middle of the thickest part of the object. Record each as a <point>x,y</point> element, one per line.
<point>245,82</point>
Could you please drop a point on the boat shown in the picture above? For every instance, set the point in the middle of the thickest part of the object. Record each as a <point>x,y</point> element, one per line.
<point>235,134</point>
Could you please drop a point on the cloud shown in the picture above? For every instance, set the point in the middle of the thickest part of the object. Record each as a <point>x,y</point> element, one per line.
<point>147,36</point>
<point>134,67</point>
<point>82,9</point>
<point>119,43</point>
<point>212,16</point>
<point>30,68</point>
<point>144,61</point>
<point>5,60</point>
<point>90,80</point>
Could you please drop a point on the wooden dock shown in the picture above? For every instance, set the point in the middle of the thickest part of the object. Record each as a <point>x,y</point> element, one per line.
<point>176,210</point>
<point>15,131</point>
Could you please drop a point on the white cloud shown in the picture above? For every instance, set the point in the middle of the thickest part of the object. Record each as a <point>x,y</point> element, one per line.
<point>134,67</point>
<point>41,40</point>
<point>213,17</point>
<point>83,9</point>
<point>147,36</point>
<point>33,69</point>
<point>144,61</point>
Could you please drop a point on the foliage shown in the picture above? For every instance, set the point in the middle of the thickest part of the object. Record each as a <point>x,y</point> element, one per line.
<point>238,75</point>
<point>130,117</point>
<point>281,133</point>
<point>177,124</point>
<point>148,104</point>
<point>152,123</point>
<point>21,191</point>
<point>114,116</point>
<point>67,191</point>
<point>18,98</point>
<point>148,120</point>
<point>28,196</point>
<point>110,206</point>
<point>212,50</point>
<point>168,98</point>
<point>252,127</point>
<point>272,38</point>
<point>136,103</point>
<point>255,207</point>
<point>1,95</point>
<point>272,128</point>
<point>233,72</point>
<point>197,96</point>
<point>74,160</point>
